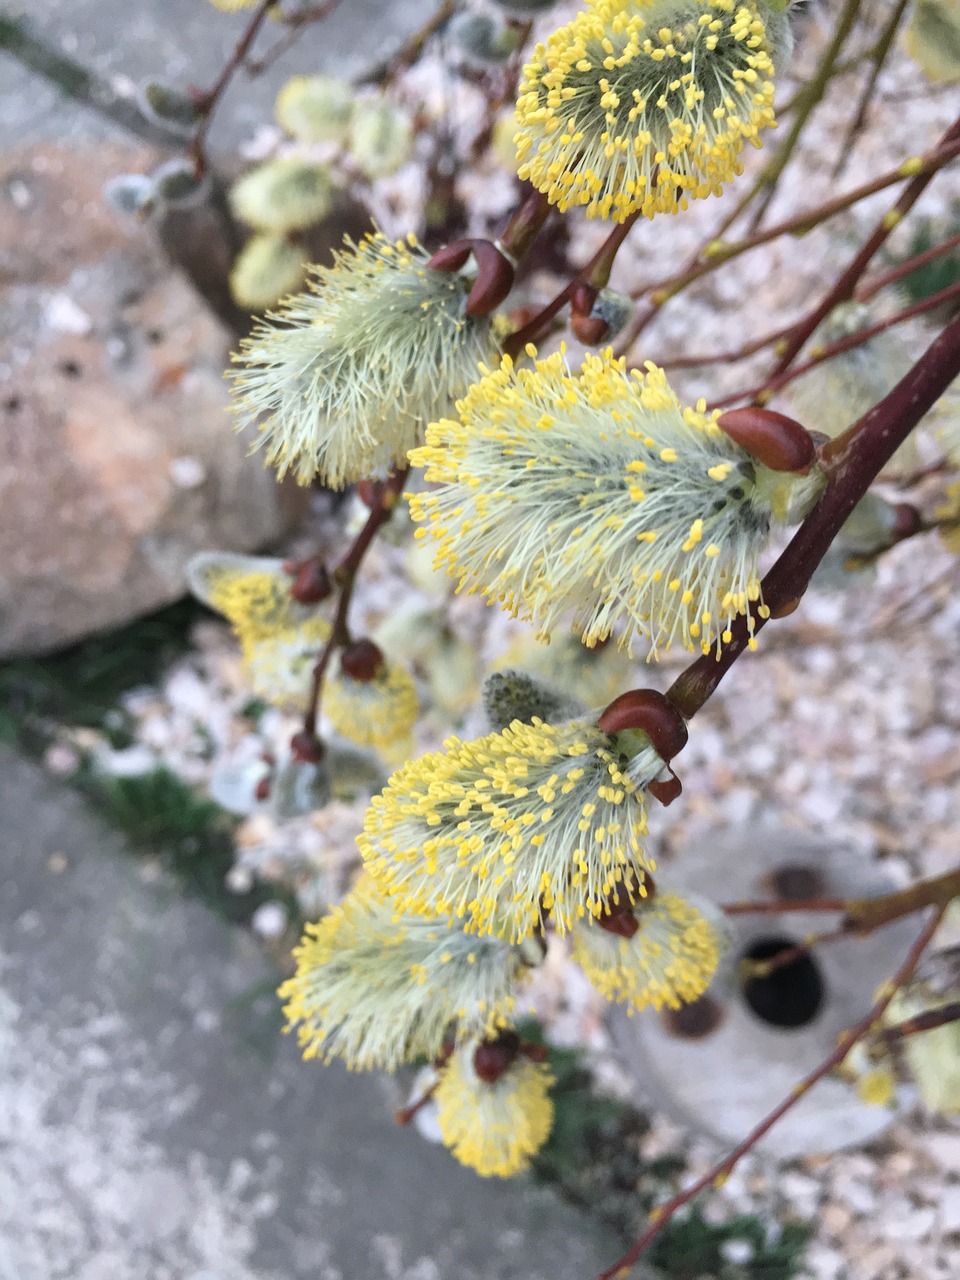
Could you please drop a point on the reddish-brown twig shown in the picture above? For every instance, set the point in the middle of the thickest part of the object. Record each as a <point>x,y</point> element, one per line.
<point>207,102</point>
<point>662,1214</point>
<point>928,1021</point>
<point>878,56</point>
<point>843,288</point>
<point>764,390</point>
<point>597,272</point>
<point>869,288</point>
<point>344,576</point>
<point>851,464</point>
<point>716,252</point>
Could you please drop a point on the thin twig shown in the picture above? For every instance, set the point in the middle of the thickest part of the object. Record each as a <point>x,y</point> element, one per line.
<point>662,1214</point>
<point>716,252</point>
<point>600,264</point>
<point>928,1021</point>
<point>878,56</point>
<point>208,101</point>
<point>296,22</point>
<point>345,576</point>
<point>79,82</point>
<point>764,390</point>
<point>869,288</point>
<point>843,288</point>
<point>411,49</point>
<point>805,104</point>
<point>851,464</point>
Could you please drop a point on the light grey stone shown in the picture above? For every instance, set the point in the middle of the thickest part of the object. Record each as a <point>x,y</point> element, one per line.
<point>154,1122</point>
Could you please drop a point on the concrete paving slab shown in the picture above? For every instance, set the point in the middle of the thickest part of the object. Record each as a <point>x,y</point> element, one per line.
<point>155,1125</point>
<point>185,42</point>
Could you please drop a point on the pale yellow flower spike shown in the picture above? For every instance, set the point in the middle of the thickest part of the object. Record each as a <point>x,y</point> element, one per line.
<point>379,712</point>
<point>279,638</point>
<point>670,960</point>
<point>640,105</point>
<point>598,492</point>
<point>494,1128</point>
<point>377,989</point>
<point>341,381</point>
<point>538,820</point>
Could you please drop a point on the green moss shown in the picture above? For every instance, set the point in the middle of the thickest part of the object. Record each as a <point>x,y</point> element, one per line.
<point>939,273</point>
<point>83,684</point>
<point>594,1159</point>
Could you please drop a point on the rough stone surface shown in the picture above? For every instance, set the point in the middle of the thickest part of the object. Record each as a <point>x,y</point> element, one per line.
<point>155,1124</point>
<point>186,42</point>
<point>117,460</point>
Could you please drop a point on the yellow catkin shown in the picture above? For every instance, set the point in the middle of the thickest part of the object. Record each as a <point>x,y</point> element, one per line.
<point>377,989</point>
<point>494,1128</point>
<point>596,491</point>
<point>640,105</point>
<point>669,961</point>
<point>535,821</point>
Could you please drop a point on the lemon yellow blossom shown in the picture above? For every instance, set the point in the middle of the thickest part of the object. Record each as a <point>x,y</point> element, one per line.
<point>280,639</point>
<point>377,989</point>
<point>597,492</point>
<point>379,712</point>
<point>638,105</point>
<point>347,374</point>
<point>669,960</point>
<point>537,820</point>
<point>494,1127</point>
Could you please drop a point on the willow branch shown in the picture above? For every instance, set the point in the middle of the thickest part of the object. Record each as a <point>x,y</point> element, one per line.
<point>597,268</point>
<point>920,169</point>
<point>208,101</point>
<point>806,102</point>
<point>345,577</point>
<point>878,56</point>
<point>78,82</point>
<point>662,1214</point>
<point>850,463</point>
<point>764,390</point>
<point>870,288</point>
<point>844,287</point>
<point>928,1021</point>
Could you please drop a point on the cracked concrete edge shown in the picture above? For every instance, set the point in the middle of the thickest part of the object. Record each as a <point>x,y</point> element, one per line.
<point>155,1124</point>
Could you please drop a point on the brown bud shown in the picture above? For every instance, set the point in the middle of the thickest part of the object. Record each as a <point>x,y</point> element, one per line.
<point>306,748</point>
<point>262,790</point>
<point>494,279</point>
<point>492,1058</point>
<point>589,329</point>
<point>582,299</point>
<point>452,256</point>
<point>494,272</point>
<point>908,521</point>
<point>666,790</point>
<point>361,660</point>
<point>777,441</point>
<point>622,923</point>
<point>651,713</point>
<point>311,582</point>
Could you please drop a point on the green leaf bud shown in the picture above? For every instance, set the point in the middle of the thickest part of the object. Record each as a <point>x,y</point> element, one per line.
<point>266,270</point>
<point>315,108</point>
<point>287,194</point>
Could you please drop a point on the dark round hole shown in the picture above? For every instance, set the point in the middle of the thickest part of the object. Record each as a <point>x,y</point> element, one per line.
<point>70,369</point>
<point>695,1020</point>
<point>12,404</point>
<point>789,996</point>
<point>796,882</point>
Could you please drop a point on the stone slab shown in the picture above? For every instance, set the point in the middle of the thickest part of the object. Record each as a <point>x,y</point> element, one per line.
<point>184,42</point>
<point>155,1125</point>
